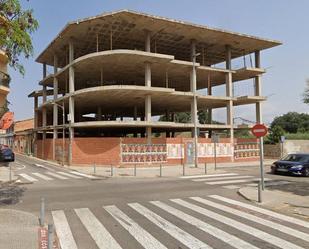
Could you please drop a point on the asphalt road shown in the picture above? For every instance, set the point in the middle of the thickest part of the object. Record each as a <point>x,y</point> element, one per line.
<point>156,212</point>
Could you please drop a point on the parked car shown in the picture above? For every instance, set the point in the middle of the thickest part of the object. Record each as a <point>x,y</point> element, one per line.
<point>295,164</point>
<point>7,155</point>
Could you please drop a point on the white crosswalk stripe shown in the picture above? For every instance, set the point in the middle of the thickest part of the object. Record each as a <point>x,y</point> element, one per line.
<point>28,178</point>
<point>49,176</point>
<point>221,178</point>
<point>142,236</point>
<point>97,231</point>
<point>63,230</point>
<point>254,218</point>
<point>263,211</point>
<point>44,177</point>
<point>206,176</point>
<point>235,181</point>
<point>179,234</point>
<point>57,176</point>
<point>238,225</point>
<point>229,239</point>
<point>69,175</point>
<point>194,214</point>
<point>82,174</point>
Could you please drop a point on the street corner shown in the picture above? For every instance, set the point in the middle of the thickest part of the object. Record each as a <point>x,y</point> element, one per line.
<point>276,200</point>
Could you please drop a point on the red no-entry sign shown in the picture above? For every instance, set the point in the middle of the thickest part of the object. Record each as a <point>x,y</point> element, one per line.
<point>259,130</point>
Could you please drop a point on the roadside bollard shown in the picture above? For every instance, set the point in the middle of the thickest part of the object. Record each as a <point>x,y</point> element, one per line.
<point>42,212</point>
<point>50,237</point>
<point>260,192</point>
<point>160,169</point>
<point>183,170</point>
<point>112,170</point>
<point>134,169</point>
<point>205,168</point>
<point>94,169</point>
<point>10,166</point>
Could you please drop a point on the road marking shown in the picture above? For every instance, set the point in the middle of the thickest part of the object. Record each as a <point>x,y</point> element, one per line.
<point>57,176</point>
<point>232,186</point>
<point>142,236</point>
<point>63,230</point>
<point>203,176</point>
<point>84,175</point>
<point>98,232</point>
<point>69,175</point>
<point>276,226</point>
<point>184,237</point>
<point>44,177</point>
<point>29,178</point>
<point>215,232</point>
<point>263,211</point>
<point>222,178</point>
<point>44,167</point>
<point>235,181</point>
<point>239,226</point>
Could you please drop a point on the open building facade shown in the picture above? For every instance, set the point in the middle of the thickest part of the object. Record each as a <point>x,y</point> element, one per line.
<point>107,80</point>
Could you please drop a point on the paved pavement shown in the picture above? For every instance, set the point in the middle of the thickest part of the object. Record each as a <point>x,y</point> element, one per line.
<point>18,229</point>
<point>158,212</point>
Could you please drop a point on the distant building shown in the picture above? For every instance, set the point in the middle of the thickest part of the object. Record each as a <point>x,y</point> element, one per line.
<point>115,74</point>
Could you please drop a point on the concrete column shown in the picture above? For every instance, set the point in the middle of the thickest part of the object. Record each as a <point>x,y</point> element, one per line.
<point>148,41</point>
<point>148,117</point>
<point>44,70</point>
<point>258,89</point>
<point>209,110</point>
<point>148,100</point>
<point>229,93</point>
<point>194,117</point>
<point>147,74</point>
<point>99,114</point>
<point>71,99</point>
<point>55,107</point>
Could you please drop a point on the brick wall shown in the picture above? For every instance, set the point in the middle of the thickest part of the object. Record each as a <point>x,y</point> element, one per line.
<point>107,151</point>
<point>102,151</point>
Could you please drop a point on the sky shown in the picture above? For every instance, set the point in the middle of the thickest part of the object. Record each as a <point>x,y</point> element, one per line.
<point>284,20</point>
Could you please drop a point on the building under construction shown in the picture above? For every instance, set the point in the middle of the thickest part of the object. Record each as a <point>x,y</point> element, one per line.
<point>113,75</point>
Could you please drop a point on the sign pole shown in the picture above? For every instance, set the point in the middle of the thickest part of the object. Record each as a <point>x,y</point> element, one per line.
<point>215,144</point>
<point>262,162</point>
<point>260,130</point>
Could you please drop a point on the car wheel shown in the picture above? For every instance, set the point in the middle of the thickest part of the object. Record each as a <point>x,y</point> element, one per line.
<point>306,172</point>
<point>273,171</point>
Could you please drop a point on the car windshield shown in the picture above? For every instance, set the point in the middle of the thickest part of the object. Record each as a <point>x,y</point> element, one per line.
<point>296,158</point>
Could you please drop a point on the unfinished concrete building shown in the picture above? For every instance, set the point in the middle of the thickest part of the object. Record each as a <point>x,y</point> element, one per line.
<point>111,77</point>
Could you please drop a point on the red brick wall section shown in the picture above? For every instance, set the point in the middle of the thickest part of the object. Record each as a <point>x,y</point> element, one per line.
<point>102,151</point>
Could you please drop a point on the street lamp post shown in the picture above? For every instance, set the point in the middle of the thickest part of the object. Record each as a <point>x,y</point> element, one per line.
<point>195,109</point>
<point>63,129</point>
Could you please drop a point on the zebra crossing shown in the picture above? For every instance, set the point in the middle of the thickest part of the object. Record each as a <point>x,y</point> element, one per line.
<point>51,176</point>
<point>228,180</point>
<point>194,222</point>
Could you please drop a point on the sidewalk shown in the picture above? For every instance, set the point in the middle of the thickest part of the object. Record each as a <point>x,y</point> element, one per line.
<point>5,174</point>
<point>166,171</point>
<point>279,201</point>
<point>18,230</point>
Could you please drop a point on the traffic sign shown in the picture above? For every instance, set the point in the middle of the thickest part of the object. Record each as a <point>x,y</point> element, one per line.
<point>259,130</point>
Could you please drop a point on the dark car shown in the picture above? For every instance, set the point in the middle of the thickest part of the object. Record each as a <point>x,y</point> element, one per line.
<point>295,164</point>
<point>7,155</point>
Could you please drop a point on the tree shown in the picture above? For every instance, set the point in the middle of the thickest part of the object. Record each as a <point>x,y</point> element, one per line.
<point>306,93</point>
<point>292,122</point>
<point>16,26</point>
<point>275,134</point>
